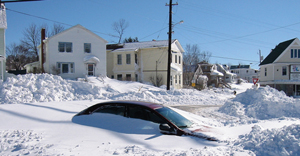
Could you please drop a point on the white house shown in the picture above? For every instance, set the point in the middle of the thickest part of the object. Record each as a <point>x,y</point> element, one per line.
<point>244,72</point>
<point>281,68</point>
<point>3,26</point>
<point>74,53</point>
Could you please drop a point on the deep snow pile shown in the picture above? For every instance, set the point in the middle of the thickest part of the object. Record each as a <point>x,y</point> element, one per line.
<point>262,103</point>
<point>47,88</point>
<point>268,108</point>
<point>265,103</point>
<point>283,141</point>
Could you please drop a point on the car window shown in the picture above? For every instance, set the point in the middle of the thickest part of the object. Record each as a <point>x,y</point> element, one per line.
<point>144,114</point>
<point>111,109</point>
<point>174,117</point>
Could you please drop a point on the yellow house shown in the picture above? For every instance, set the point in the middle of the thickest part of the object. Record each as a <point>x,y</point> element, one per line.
<point>281,68</point>
<point>145,62</point>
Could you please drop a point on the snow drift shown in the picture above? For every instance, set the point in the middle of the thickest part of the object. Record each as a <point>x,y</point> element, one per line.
<point>262,103</point>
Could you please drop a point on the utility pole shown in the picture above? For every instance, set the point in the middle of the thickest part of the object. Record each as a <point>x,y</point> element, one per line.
<point>170,42</point>
<point>260,57</point>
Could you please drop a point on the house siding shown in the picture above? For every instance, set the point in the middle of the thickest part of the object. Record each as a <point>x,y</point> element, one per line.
<point>289,83</point>
<point>151,62</point>
<point>78,36</point>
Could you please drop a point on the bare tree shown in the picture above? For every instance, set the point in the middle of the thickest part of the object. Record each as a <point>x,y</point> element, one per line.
<point>17,56</point>
<point>205,56</point>
<point>120,27</point>
<point>32,36</point>
<point>129,40</point>
<point>156,80</point>
<point>32,39</point>
<point>191,58</point>
<point>56,28</point>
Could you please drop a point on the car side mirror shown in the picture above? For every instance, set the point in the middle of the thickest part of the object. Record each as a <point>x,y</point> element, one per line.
<point>166,129</point>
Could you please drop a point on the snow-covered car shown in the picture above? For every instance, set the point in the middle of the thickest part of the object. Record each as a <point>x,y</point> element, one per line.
<point>168,120</point>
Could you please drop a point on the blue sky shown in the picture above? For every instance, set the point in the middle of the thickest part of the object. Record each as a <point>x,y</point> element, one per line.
<point>233,31</point>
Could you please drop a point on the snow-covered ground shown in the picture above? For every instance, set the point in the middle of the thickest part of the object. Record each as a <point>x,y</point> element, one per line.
<point>36,114</point>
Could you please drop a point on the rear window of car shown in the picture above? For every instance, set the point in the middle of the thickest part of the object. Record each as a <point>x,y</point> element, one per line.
<point>111,109</point>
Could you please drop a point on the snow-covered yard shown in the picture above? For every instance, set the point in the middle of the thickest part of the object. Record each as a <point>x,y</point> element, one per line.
<point>36,114</point>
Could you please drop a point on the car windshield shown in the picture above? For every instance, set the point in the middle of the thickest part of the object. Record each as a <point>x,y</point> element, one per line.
<point>174,117</point>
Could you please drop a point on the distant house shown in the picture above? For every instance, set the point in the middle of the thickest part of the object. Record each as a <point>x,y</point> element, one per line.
<point>3,27</point>
<point>228,76</point>
<point>145,62</point>
<point>212,73</point>
<point>244,72</point>
<point>281,68</point>
<point>74,53</point>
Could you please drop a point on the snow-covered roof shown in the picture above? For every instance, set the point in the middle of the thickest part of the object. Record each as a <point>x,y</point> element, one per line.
<point>133,46</point>
<point>91,59</point>
<point>175,67</point>
<point>216,73</point>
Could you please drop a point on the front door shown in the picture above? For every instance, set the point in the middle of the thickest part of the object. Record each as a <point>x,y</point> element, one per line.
<point>91,69</point>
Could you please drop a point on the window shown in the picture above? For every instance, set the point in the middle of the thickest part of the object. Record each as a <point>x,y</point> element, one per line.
<point>65,47</point>
<point>87,47</point>
<point>111,109</point>
<point>295,53</point>
<point>65,67</point>
<point>179,59</point>
<point>144,114</point>
<point>135,58</point>
<point>284,70</point>
<point>136,77</point>
<point>175,79</point>
<point>91,69</point>
<point>128,77</point>
<point>265,71</point>
<point>179,79</point>
<point>128,60</point>
<point>175,58</point>
<point>119,59</point>
<point>171,80</point>
<point>119,77</point>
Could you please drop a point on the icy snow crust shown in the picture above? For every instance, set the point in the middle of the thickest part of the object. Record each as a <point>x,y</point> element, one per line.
<point>258,121</point>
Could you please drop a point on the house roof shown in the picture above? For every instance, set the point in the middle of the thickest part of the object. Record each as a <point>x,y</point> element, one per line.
<point>77,26</point>
<point>239,66</point>
<point>275,53</point>
<point>141,45</point>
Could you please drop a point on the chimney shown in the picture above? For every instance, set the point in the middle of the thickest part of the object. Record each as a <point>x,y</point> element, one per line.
<point>43,36</point>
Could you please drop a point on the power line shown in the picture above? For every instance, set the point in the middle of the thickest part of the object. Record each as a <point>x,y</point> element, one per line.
<point>55,21</point>
<point>234,59</point>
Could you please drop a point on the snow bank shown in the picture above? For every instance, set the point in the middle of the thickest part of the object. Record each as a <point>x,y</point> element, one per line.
<point>283,141</point>
<point>262,103</point>
<point>31,88</point>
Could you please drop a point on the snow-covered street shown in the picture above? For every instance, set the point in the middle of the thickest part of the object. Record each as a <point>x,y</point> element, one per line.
<point>36,114</point>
